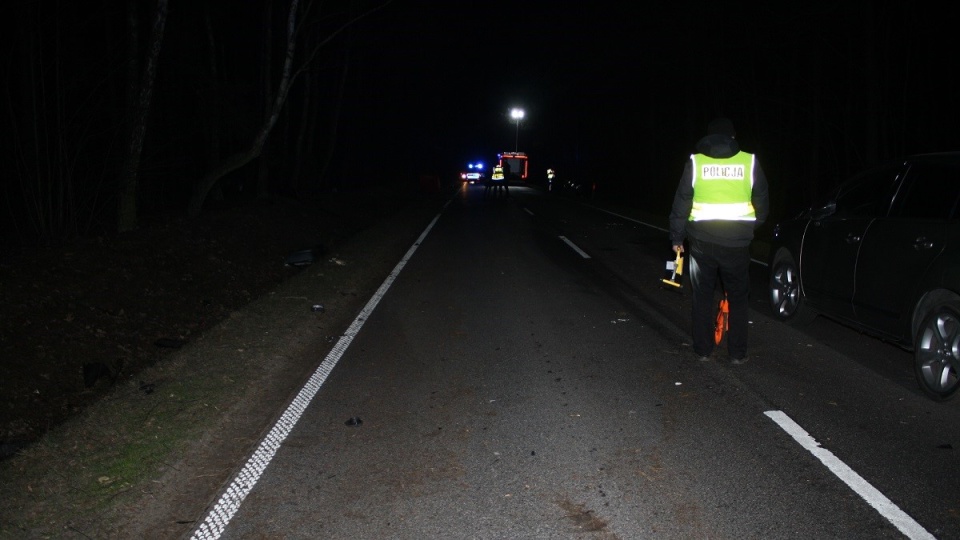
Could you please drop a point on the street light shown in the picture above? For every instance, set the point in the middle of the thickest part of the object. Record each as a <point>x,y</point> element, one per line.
<point>517,114</point>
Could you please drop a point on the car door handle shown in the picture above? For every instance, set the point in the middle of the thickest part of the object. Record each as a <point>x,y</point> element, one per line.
<point>922,244</point>
<point>853,238</point>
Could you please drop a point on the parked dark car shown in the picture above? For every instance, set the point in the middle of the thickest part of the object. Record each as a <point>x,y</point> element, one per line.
<point>578,187</point>
<point>882,254</point>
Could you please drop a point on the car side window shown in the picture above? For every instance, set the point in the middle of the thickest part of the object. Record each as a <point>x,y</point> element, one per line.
<point>929,192</point>
<point>868,195</point>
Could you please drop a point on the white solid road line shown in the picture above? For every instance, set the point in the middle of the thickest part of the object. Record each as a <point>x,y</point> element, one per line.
<point>220,515</point>
<point>874,498</point>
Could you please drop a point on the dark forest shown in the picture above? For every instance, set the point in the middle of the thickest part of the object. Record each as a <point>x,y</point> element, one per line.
<point>119,113</point>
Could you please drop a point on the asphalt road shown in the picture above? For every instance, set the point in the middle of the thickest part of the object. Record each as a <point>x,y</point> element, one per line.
<point>523,374</point>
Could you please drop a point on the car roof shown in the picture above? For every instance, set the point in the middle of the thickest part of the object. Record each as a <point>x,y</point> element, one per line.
<point>945,156</point>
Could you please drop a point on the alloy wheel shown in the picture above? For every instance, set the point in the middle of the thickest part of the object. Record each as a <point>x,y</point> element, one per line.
<point>937,354</point>
<point>785,289</point>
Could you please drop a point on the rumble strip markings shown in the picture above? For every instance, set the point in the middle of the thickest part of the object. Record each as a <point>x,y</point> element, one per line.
<point>220,515</point>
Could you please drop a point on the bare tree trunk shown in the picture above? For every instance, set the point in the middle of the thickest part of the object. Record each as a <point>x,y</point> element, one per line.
<point>335,121</point>
<point>871,84</point>
<point>304,128</point>
<point>263,177</point>
<point>43,152</point>
<point>239,160</point>
<point>327,157</point>
<point>214,118</point>
<point>129,176</point>
<point>213,135</point>
<point>205,184</point>
<point>133,60</point>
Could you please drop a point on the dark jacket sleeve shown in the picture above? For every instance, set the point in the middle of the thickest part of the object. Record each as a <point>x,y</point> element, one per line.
<point>760,195</point>
<point>682,204</point>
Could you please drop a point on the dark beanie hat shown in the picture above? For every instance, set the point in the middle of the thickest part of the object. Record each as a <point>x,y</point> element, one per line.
<point>721,126</point>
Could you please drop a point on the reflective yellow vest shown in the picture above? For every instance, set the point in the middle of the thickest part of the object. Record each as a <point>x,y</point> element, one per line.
<point>722,188</point>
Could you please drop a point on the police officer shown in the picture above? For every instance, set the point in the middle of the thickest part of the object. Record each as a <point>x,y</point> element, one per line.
<point>492,184</point>
<point>721,199</point>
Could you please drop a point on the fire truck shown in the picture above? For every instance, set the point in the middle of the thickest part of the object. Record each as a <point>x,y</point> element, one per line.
<point>517,162</point>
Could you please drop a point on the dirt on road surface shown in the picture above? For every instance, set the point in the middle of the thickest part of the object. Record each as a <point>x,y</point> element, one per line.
<point>141,371</point>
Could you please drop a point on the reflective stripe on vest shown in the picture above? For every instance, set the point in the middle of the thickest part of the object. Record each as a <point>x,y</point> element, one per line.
<point>722,188</point>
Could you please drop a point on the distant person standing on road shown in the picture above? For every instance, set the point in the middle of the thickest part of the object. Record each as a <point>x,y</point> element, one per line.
<point>721,200</point>
<point>493,183</point>
<point>506,179</point>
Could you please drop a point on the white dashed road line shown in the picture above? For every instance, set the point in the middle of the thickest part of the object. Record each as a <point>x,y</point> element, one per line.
<point>575,248</point>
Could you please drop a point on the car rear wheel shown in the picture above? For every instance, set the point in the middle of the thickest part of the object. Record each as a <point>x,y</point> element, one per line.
<point>937,352</point>
<point>786,300</point>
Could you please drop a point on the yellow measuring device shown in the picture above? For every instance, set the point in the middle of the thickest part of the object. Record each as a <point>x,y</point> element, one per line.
<point>676,267</point>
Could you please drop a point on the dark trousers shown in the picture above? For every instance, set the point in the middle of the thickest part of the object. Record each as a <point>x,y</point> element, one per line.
<point>497,187</point>
<point>732,266</point>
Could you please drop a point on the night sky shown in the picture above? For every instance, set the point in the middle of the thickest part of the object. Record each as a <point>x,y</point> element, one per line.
<point>581,74</point>
<point>611,89</point>
<point>614,92</point>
